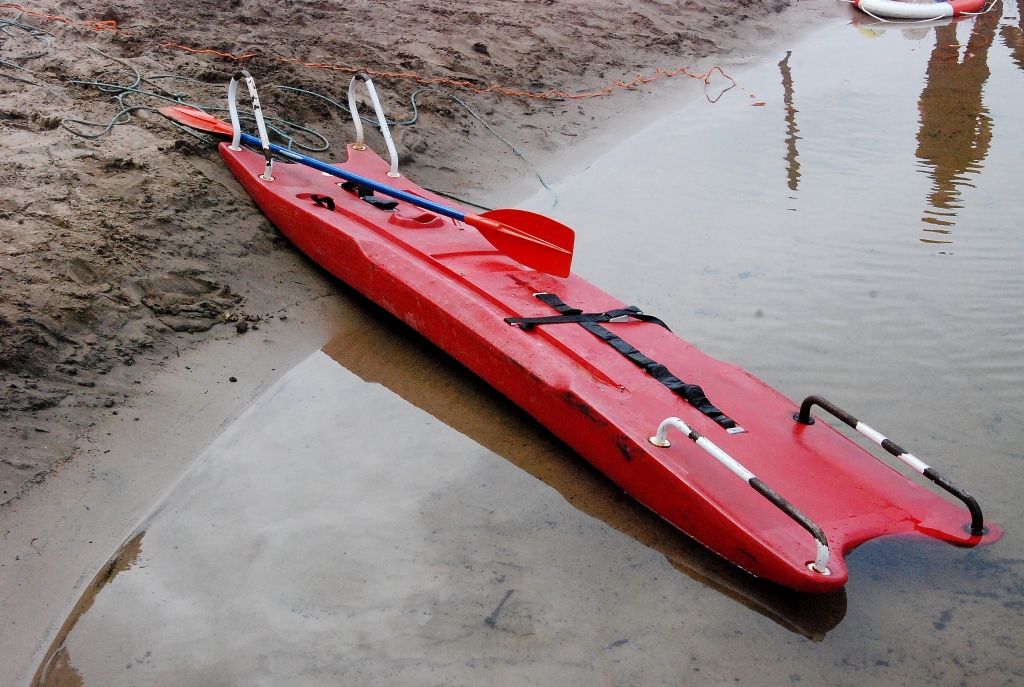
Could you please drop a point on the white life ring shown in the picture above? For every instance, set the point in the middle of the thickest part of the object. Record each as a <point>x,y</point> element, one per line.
<point>894,9</point>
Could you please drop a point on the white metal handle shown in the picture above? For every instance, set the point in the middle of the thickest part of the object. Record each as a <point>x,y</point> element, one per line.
<point>359,145</point>
<point>820,564</point>
<point>977,527</point>
<point>257,113</point>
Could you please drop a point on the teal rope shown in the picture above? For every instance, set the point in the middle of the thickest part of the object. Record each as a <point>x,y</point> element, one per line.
<point>39,34</point>
<point>18,78</point>
<point>416,116</point>
<point>16,66</point>
<point>343,108</point>
<point>120,92</point>
<point>488,126</point>
<point>459,200</point>
<point>275,124</point>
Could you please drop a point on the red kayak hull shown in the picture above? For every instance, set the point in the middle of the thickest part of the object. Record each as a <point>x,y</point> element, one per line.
<point>447,282</point>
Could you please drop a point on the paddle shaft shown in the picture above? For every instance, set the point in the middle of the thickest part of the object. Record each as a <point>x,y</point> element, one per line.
<point>361,180</point>
<point>513,232</point>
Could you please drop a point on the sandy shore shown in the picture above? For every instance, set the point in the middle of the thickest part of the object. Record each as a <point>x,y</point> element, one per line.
<point>136,277</point>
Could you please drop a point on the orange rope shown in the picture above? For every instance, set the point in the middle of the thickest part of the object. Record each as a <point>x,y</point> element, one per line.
<point>495,88</point>
<point>111,26</point>
<point>175,46</point>
<point>92,25</point>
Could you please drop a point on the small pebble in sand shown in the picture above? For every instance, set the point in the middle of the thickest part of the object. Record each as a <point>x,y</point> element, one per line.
<point>242,327</point>
<point>232,379</point>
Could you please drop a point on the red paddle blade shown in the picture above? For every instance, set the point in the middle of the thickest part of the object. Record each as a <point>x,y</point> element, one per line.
<point>534,240</point>
<point>197,119</point>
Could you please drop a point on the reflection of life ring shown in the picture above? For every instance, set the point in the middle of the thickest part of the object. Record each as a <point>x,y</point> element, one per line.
<point>894,9</point>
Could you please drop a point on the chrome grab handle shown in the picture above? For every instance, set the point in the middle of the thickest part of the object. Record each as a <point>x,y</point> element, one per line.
<point>804,418</point>
<point>381,120</point>
<point>257,111</point>
<point>820,564</point>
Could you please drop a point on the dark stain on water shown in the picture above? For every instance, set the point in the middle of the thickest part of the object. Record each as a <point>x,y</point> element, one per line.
<point>792,161</point>
<point>56,669</point>
<point>956,129</point>
<point>492,619</point>
<point>1013,36</point>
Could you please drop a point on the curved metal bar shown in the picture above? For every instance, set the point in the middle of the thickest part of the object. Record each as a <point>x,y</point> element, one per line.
<point>820,564</point>
<point>382,122</point>
<point>257,112</point>
<point>804,418</point>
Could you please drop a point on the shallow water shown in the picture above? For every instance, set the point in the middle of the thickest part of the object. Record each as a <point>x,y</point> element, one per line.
<point>381,517</point>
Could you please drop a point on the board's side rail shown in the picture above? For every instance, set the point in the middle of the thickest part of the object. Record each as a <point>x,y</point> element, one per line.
<point>977,527</point>
<point>820,564</point>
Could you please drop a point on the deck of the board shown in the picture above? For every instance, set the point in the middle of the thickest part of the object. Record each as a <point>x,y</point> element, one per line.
<point>448,283</point>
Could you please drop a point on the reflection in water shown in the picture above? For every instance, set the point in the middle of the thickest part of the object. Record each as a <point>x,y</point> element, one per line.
<point>956,129</point>
<point>385,351</point>
<point>56,669</point>
<point>61,673</point>
<point>792,164</point>
<point>1013,36</point>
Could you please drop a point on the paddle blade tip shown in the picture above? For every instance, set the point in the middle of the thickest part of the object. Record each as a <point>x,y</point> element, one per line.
<point>196,119</point>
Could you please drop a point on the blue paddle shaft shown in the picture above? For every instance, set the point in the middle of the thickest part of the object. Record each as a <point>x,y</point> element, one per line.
<point>362,181</point>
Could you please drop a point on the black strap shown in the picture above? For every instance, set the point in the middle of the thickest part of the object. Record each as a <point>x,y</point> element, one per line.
<point>691,393</point>
<point>323,201</point>
<point>578,317</point>
<point>365,193</point>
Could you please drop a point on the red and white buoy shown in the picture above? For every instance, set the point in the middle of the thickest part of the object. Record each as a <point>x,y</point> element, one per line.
<point>894,9</point>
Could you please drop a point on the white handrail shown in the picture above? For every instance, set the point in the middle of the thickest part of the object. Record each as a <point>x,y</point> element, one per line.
<point>977,527</point>
<point>820,564</point>
<point>357,120</point>
<point>257,111</point>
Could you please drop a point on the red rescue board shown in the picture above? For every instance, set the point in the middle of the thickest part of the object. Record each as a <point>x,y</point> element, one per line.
<point>447,282</point>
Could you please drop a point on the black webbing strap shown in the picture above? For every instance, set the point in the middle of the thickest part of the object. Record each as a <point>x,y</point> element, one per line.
<point>691,393</point>
<point>323,201</point>
<point>365,194</point>
<point>579,317</point>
